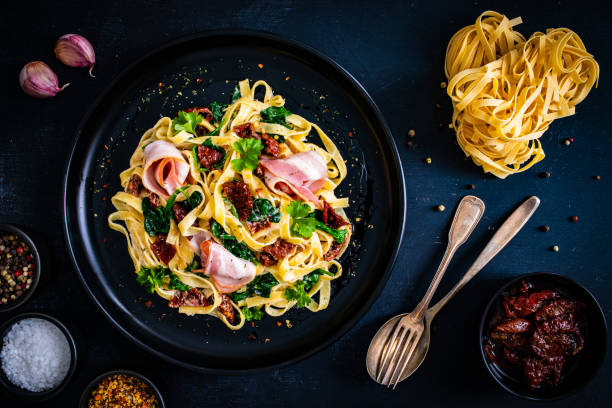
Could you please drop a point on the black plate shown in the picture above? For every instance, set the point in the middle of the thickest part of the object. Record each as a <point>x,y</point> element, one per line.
<point>578,370</point>
<point>162,83</point>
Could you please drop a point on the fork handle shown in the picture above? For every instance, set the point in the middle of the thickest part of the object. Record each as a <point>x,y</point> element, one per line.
<point>500,239</point>
<point>466,218</point>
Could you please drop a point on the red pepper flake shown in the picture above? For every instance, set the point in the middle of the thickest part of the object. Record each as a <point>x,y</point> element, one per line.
<point>279,324</point>
<point>103,198</point>
<point>198,81</point>
<point>105,185</point>
<point>106,147</point>
<point>148,303</point>
<point>350,134</point>
<point>252,324</point>
<point>104,240</point>
<point>287,78</point>
<point>160,84</point>
<point>251,336</point>
<point>260,65</point>
<point>267,340</point>
<point>573,218</point>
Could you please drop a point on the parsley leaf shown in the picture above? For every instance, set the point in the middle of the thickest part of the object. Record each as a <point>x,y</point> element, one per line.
<point>239,249</point>
<point>299,294</point>
<point>263,210</point>
<point>175,283</point>
<point>276,114</point>
<point>217,110</point>
<point>252,313</point>
<point>151,277</point>
<point>236,94</point>
<point>187,121</point>
<point>304,222</point>
<point>249,149</point>
<point>262,285</point>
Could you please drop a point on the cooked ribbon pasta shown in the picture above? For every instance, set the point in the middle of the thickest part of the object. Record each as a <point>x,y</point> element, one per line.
<point>228,213</point>
<point>506,91</point>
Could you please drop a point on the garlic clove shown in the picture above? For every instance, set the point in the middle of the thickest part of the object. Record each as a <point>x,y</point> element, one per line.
<point>38,80</point>
<point>74,50</point>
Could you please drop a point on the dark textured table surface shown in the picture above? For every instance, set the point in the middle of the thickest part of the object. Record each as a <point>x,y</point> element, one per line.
<point>396,50</point>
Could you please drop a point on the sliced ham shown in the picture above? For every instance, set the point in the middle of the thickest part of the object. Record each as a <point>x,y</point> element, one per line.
<point>228,272</point>
<point>301,175</point>
<point>165,168</point>
<point>197,239</point>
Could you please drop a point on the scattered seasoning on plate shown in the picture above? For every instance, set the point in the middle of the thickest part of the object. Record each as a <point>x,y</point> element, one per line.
<point>35,355</point>
<point>442,85</point>
<point>544,228</point>
<point>545,174</point>
<point>428,160</point>
<point>122,391</point>
<point>16,267</point>
<point>470,187</point>
<point>411,133</point>
<point>596,177</point>
<point>573,218</point>
<point>440,208</point>
<point>555,248</point>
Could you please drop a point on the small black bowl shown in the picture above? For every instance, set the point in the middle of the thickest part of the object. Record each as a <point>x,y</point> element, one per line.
<point>579,369</point>
<point>83,402</point>
<point>35,276</point>
<point>43,395</point>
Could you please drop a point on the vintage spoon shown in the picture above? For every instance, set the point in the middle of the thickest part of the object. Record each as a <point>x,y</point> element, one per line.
<point>504,234</point>
<point>393,345</point>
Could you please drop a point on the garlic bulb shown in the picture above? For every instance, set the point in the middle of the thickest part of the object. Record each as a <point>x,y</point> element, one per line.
<point>38,80</point>
<point>74,50</point>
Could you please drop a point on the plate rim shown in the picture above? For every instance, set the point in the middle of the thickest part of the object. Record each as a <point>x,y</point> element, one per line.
<point>352,321</point>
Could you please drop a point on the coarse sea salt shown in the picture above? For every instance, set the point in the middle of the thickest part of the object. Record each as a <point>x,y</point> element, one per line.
<point>35,355</point>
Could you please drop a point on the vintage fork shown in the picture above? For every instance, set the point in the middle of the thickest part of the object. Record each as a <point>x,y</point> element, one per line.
<point>409,328</point>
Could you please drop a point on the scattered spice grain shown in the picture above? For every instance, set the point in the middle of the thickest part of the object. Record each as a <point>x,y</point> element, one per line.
<point>573,218</point>
<point>544,228</point>
<point>123,391</point>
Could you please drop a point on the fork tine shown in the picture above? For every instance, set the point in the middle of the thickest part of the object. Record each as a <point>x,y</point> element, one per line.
<point>398,361</point>
<point>413,347</point>
<point>385,354</point>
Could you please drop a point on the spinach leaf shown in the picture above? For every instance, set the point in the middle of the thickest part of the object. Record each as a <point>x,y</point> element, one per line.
<point>313,277</point>
<point>157,221</point>
<point>252,313</point>
<point>208,143</point>
<point>263,210</point>
<point>193,201</point>
<point>196,263</point>
<point>276,114</point>
<point>239,249</point>
<point>218,129</point>
<point>262,286</point>
<point>151,277</point>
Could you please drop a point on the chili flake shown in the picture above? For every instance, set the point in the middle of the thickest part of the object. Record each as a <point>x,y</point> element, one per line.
<point>122,391</point>
<point>260,65</point>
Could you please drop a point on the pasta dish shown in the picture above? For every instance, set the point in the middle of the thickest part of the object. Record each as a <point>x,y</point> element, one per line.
<point>228,211</point>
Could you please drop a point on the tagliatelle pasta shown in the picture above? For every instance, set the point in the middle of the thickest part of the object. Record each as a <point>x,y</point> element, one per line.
<point>506,91</point>
<point>308,255</point>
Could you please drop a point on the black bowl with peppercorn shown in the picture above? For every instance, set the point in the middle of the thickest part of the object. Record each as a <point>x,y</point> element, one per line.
<point>124,388</point>
<point>19,267</point>
<point>542,336</point>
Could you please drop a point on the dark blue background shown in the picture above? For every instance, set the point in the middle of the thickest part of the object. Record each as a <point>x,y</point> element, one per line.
<point>396,50</point>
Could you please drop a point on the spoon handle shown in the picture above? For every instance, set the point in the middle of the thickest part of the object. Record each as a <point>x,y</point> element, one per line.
<point>466,218</point>
<point>504,234</point>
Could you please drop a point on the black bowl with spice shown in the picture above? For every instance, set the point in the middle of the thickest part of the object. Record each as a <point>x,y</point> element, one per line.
<point>38,356</point>
<point>123,388</point>
<point>19,267</point>
<point>542,336</point>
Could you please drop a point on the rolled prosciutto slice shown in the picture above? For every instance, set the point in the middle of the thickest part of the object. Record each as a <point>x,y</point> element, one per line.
<point>196,240</point>
<point>227,271</point>
<point>299,175</point>
<point>165,168</point>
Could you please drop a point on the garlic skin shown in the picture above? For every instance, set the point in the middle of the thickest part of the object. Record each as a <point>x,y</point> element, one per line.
<point>74,50</point>
<point>38,80</point>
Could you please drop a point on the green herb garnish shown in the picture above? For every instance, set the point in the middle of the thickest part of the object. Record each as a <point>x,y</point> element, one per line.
<point>239,249</point>
<point>175,283</point>
<point>299,294</point>
<point>304,222</point>
<point>217,110</point>
<point>218,129</point>
<point>187,121</point>
<point>251,313</point>
<point>196,263</point>
<point>249,149</point>
<point>276,114</point>
<point>208,143</point>
<point>232,207</point>
<point>151,277</point>
<point>263,210</point>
